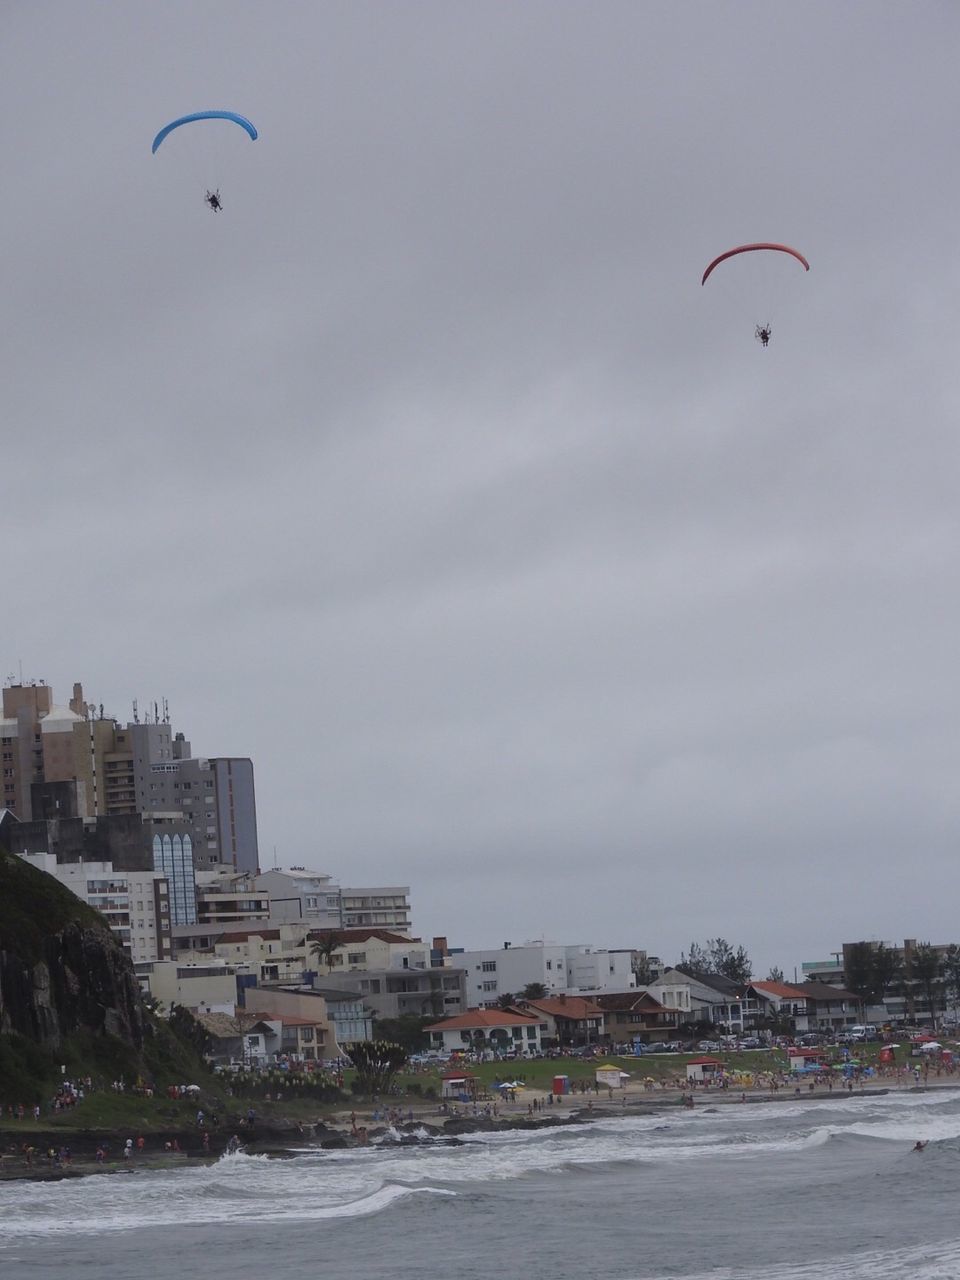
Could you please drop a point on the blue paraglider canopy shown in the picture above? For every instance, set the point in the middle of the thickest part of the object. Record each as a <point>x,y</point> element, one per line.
<point>232,116</point>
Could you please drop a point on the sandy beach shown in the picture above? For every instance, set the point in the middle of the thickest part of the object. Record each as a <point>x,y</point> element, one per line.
<point>50,1155</point>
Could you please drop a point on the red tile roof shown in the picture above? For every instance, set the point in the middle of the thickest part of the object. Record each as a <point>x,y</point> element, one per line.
<point>631,1001</point>
<point>575,1007</point>
<point>781,989</point>
<point>477,1018</point>
<point>343,936</point>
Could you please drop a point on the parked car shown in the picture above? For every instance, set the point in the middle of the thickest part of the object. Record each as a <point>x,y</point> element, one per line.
<point>751,1042</point>
<point>709,1046</point>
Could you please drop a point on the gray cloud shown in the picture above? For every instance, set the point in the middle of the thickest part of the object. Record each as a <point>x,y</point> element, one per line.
<point>429,476</point>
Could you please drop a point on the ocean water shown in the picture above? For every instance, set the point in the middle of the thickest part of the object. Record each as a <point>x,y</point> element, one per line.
<point>780,1191</point>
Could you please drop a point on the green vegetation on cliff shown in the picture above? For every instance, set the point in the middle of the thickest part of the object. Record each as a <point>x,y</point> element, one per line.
<point>33,906</point>
<point>70,1004</point>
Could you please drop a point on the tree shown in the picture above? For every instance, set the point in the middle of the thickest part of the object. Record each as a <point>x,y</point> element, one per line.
<point>775,974</point>
<point>376,1063</point>
<point>718,956</point>
<point>951,976</point>
<point>859,970</point>
<point>887,970</point>
<point>871,969</point>
<point>506,1000</point>
<point>534,991</point>
<point>924,971</point>
<point>325,946</point>
<point>731,964</point>
<point>189,1028</point>
<point>696,963</point>
<point>407,1031</point>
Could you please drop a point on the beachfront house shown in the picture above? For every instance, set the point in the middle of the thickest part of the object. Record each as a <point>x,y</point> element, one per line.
<point>632,1016</point>
<point>307,1029</point>
<point>808,1006</point>
<point>501,1031</point>
<point>243,1039</point>
<point>707,997</point>
<point>565,1021</point>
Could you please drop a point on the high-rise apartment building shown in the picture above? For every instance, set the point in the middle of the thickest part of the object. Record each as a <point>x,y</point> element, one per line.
<point>74,762</point>
<point>135,904</point>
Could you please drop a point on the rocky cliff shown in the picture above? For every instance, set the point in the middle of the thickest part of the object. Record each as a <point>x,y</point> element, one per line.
<point>61,970</point>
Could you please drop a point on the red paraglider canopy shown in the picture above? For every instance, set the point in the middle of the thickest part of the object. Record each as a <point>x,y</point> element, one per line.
<point>751,248</point>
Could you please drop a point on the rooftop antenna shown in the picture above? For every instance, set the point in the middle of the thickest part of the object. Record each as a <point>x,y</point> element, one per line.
<point>166,712</point>
<point>156,714</point>
<point>136,712</point>
<point>276,864</point>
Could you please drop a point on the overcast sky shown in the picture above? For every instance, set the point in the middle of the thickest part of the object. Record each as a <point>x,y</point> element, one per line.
<point>427,475</point>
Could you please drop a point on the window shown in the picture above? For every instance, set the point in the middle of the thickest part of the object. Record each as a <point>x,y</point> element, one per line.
<point>490,986</point>
<point>356,957</point>
<point>489,966</point>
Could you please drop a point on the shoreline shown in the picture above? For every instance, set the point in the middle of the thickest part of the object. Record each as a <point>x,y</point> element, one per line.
<point>356,1129</point>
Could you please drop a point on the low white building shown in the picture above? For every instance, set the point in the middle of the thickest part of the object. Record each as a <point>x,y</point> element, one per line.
<point>562,970</point>
<point>595,970</point>
<point>488,1029</point>
<point>136,904</point>
<point>210,987</point>
<point>299,896</point>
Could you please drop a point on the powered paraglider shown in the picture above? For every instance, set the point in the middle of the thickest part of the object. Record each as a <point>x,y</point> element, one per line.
<point>763,331</point>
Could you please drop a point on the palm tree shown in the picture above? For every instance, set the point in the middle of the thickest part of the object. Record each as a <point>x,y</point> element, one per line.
<point>325,947</point>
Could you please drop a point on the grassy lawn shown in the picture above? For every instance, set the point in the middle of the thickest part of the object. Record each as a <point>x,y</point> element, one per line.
<point>538,1073</point>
